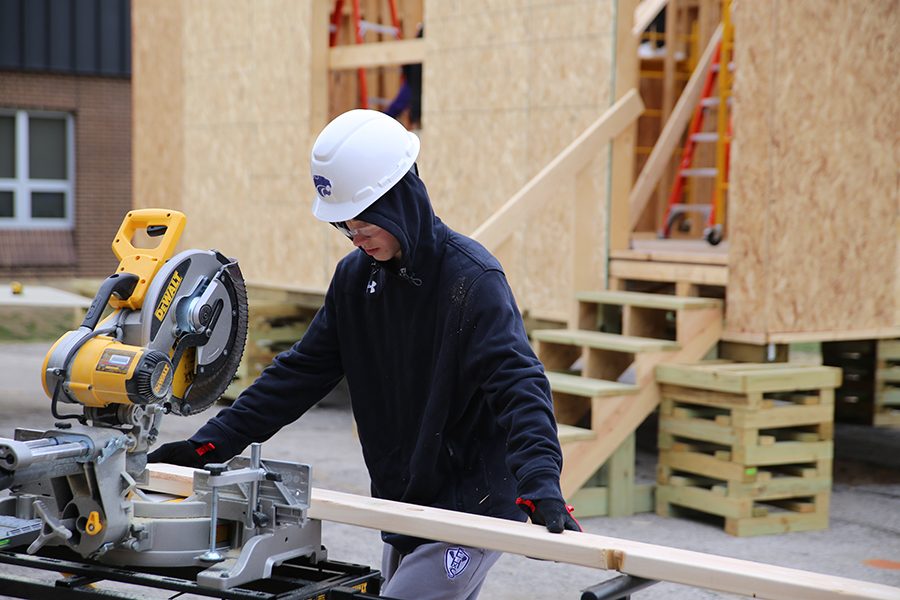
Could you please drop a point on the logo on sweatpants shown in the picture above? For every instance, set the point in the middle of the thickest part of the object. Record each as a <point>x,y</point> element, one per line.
<point>455,561</point>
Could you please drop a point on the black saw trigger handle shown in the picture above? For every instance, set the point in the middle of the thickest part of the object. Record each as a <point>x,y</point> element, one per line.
<point>120,284</point>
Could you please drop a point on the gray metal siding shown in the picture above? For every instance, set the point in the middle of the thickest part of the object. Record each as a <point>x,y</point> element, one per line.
<point>82,37</point>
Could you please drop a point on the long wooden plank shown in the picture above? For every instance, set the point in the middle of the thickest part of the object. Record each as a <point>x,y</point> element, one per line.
<point>644,13</point>
<point>671,255</point>
<point>659,271</point>
<point>570,433</point>
<point>543,187</point>
<point>622,159</point>
<point>662,151</point>
<point>747,378</point>
<point>376,54</point>
<point>709,571</point>
<point>642,300</point>
<point>603,341</point>
<point>787,337</point>
<point>587,386</point>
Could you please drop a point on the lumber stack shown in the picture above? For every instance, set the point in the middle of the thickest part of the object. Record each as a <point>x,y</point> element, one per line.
<point>748,442</point>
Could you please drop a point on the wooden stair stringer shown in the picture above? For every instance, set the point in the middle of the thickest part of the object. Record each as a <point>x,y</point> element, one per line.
<point>614,418</point>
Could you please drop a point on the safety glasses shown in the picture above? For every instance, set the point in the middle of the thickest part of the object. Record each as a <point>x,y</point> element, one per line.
<point>366,231</point>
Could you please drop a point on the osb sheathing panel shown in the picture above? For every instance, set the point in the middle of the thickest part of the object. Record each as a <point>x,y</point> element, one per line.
<point>157,97</point>
<point>814,203</point>
<point>244,121</point>
<point>507,86</point>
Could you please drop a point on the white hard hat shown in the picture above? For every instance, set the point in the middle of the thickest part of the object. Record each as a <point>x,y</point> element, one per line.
<point>358,157</point>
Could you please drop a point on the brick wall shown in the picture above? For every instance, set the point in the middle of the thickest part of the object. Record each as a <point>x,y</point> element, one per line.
<point>102,111</point>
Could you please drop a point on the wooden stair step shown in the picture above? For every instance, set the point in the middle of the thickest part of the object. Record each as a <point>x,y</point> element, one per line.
<point>587,386</point>
<point>643,300</point>
<point>570,433</point>
<point>743,378</point>
<point>603,341</point>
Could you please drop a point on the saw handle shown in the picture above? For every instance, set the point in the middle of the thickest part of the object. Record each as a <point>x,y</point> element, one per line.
<point>151,220</point>
<point>145,262</point>
<point>117,285</point>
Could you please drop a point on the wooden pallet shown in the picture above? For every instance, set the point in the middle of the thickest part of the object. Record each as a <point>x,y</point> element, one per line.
<point>751,443</point>
<point>887,384</point>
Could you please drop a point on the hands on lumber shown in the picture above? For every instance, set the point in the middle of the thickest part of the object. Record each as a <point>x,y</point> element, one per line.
<point>554,514</point>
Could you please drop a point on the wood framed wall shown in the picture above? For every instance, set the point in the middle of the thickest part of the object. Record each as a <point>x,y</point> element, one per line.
<point>507,86</point>
<point>814,207</point>
<point>230,96</point>
<point>227,101</point>
<point>383,80</point>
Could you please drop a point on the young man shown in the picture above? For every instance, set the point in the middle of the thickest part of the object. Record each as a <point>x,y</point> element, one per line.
<point>452,406</point>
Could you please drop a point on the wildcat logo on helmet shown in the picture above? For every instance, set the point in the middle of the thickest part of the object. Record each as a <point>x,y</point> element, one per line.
<point>323,186</point>
<point>456,560</point>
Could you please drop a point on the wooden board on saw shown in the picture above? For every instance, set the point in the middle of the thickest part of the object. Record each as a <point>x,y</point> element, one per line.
<point>634,558</point>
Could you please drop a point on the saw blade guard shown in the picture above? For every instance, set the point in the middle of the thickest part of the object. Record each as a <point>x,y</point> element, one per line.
<point>196,312</point>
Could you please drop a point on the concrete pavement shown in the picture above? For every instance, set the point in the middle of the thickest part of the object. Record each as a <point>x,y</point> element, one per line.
<point>865,507</point>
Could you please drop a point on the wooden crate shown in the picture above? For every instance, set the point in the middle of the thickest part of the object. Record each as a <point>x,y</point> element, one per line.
<point>751,443</point>
<point>887,384</point>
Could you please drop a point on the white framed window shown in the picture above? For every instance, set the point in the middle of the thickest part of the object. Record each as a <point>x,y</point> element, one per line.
<point>37,170</point>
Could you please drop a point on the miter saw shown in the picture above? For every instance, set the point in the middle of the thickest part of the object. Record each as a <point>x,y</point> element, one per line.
<point>172,344</point>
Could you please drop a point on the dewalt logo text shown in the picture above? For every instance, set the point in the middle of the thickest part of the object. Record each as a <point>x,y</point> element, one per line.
<point>163,307</point>
<point>160,385</point>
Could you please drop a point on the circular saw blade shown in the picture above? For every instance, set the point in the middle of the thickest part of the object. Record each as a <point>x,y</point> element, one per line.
<point>211,380</point>
<point>195,311</point>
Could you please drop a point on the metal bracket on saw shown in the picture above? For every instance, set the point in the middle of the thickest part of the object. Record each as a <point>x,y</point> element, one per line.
<point>271,499</point>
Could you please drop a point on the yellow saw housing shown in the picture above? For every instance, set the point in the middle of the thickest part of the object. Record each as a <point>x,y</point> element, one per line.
<point>176,332</point>
<point>106,372</point>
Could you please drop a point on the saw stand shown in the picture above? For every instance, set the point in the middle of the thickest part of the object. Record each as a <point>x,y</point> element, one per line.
<point>243,520</point>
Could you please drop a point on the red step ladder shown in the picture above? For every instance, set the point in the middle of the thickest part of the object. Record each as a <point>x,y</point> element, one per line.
<point>357,24</point>
<point>678,209</point>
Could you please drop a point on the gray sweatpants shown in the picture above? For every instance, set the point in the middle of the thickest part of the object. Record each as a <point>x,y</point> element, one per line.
<point>435,571</point>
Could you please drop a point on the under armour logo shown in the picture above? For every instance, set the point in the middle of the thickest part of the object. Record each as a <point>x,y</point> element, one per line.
<point>371,286</point>
<point>455,561</point>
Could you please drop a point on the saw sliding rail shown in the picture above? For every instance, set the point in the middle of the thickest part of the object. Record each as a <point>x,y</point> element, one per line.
<point>293,580</point>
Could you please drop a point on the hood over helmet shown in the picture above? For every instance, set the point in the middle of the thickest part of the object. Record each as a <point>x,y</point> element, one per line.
<point>405,212</point>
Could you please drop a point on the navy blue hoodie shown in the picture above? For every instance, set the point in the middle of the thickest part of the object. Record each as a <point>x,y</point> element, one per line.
<point>452,406</point>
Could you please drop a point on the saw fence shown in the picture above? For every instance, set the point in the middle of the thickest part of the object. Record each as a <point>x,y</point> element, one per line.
<point>637,559</point>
